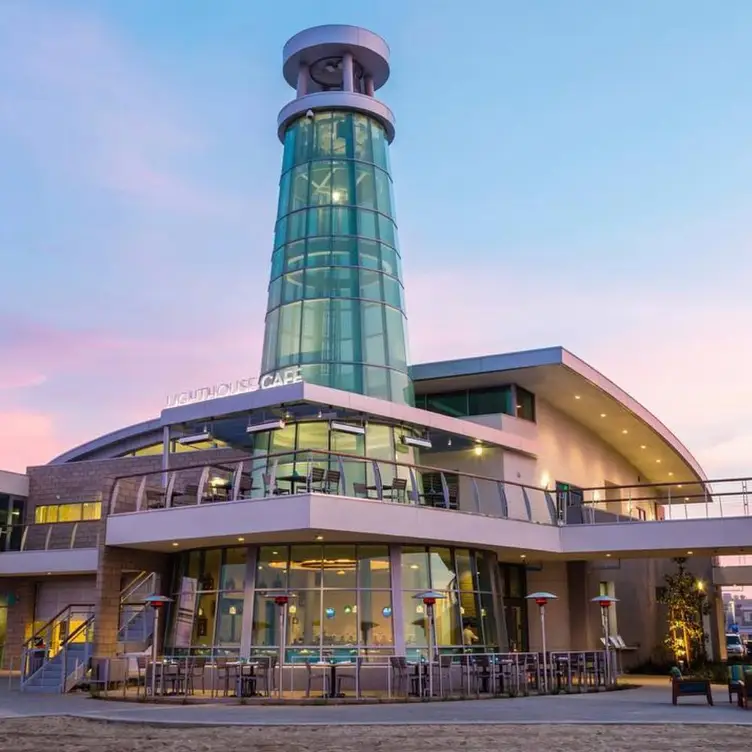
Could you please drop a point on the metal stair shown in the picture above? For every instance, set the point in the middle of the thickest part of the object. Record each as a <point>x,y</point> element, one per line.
<point>136,618</point>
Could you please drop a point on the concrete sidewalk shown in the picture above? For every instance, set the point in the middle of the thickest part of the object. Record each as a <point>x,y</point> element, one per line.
<point>649,704</point>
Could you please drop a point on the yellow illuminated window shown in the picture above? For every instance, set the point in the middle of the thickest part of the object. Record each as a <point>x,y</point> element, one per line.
<point>88,510</point>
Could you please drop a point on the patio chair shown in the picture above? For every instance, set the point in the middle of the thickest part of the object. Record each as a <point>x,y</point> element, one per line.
<point>320,676</point>
<point>399,490</point>
<point>316,479</point>
<point>360,490</point>
<point>270,486</point>
<point>352,679</point>
<point>331,482</point>
<point>196,672</point>
<point>266,672</point>
<point>400,673</point>
<point>446,664</point>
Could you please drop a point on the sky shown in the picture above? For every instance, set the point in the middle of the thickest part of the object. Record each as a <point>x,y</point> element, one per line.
<point>566,173</point>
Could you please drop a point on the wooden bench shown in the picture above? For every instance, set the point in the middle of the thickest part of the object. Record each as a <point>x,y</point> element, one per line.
<point>689,688</point>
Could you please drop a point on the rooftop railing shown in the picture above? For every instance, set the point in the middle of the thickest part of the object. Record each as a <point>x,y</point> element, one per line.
<point>290,473</point>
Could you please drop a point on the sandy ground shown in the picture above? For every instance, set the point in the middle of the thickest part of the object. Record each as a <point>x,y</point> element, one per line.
<point>80,735</point>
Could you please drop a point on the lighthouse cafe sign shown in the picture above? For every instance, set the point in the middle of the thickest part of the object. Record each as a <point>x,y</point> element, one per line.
<point>241,386</point>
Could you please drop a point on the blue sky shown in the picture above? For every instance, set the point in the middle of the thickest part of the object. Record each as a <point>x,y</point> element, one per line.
<point>571,173</point>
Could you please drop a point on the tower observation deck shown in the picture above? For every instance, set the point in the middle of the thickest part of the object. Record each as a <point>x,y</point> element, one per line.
<point>336,299</point>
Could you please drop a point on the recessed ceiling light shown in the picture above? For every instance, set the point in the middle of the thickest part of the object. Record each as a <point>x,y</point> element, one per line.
<point>624,430</point>
<point>686,498</point>
<point>679,486</point>
<point>414,566</point>
<point>670,474</point>
<point>577,396</point>
<point>689,553</point>
<point>319,537</point>
<point>658,461</point>
<point>175,543</point>
<point>523,556</point>
<point>603,415</point>
<point>241,539</point>
<point>642,446</point>
<point>275,553</point>
<point>608,556</point>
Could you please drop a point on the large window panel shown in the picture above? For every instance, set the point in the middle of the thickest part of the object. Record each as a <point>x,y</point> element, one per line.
<point>305,567</point>
<point>343,220</point>
<point>289,334</point>
<point>315,343</point>
<point>345,332</point>
<point>288,155</point>
<point>292,287</point>
<point>387,231</point>
<point>368,254</point>
<point>342,143</point>
<point>265,628</point>
<point>448,403</point>
<point>447,620</point>
<point>370,287</point>
<point>303,140</point>
<point>341,182</point>
<point>284,194</point>
<point>362,138</point>
<point>415,568</point>
<point>304,619</point>
<point>232,576</point>
<point>374,567</point>
<point>322,135</point>
<point>340,625</point>
<point>317,282</point>
<point>344,251</point>
<point>296,225</point>
<point>320,221</point>
<point>378,139</point>
<point>270,339</point>
<point>271,570</point>
<point>374,349</point>
<point>275,293</point>
<point>299,193</point>
<point>344,282</point>
<point>392,292</point>
<point>375,618</point>
<point>365,186</point>
<point>319,253</point>
<point>229,619</point>
<point>367,224</point>
<point>395,338</point>
<point>382,186</point>
<point>339,569</point>
<point>414,621</point>
<point>280,232</point>
<point>442,569</point>
<point>294,256</point>
<point>321,182</point>
<point>313,436</point>
<point>491,401</point>
<point>377,384</point>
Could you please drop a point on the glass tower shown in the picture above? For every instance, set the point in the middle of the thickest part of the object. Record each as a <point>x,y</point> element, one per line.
<point>336,300</point>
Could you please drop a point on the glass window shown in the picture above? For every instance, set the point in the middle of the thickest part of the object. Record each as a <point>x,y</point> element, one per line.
<point>374,349</point>
<point>374,568</point>
<point>525,403</point>
<point>315,344</point>
<point>303,140</point>
<point>275,293</point>
<point>395,334</point>
<point>367,223</point>
<point>321,182</point>
<point>271,571</point>
<point>483,565</point>
<point>488,620</point>
<point>375,618</point>
<point>342,134</point>
<point>343,221</point>
<point>414,568</point>
<point>490,401</point>
<point>368,254</point>
<point>449,403</point>
<point>294,257</point>
<point>370,286</point>
<point>382,185</point>
<point>299,194</point>
<point>446,620</point>
<point>390,260</point>
<point>376,382</point>
<point>278,261</point>
<point>345,335</point>
<point>289,334</point>
<point>392,292</point>
<point>340,624</point>
<point>442,569</point>
<point>280,232</point>
<point>387,231</point>
<point>288,158</point>
<point>284,194</point>
<point>292,287</point>
<point>319,252</point>
<point>344,282</point>
<point>341,181</point>
<point>203,624</point>
<point>339,567</point>
<point>296,225</point>
<point>365,186</point>
<point>344,251</point>
<point>320,221</point>
<point>265,630</point>
<point>322,135</point>
<point>313,436</point>
<point>305,567</point>
<point>230,619</point>
<point>362,138</point>
<point>415,621</point>
<point>270,341</point>
<point>233,569</point>
<point>304,619</point>
<point>378,139</point>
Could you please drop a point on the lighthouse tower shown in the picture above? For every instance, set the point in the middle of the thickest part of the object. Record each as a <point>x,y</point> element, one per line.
<point>336,300</point>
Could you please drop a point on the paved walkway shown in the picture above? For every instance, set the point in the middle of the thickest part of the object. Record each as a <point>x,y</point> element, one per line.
<point>649,704</point>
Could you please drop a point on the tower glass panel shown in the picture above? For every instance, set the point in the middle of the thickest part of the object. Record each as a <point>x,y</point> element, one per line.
<point>336,300</point>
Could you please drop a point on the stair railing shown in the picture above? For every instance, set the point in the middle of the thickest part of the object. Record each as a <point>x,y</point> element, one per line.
<point>132,603</point>
<point>69,680</point>
<point>50,638</point>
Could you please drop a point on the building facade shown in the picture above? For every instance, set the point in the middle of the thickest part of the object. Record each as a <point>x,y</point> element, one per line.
<point>344,478</point>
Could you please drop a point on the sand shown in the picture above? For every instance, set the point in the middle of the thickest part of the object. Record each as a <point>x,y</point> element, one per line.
<point>80,735</point>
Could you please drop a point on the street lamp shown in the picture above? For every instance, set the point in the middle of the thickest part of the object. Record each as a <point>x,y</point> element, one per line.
<point>157,602</point>
<point>605,602</point>
<point>541,598</point>
<point>281,599</point>
<point>429,598</point>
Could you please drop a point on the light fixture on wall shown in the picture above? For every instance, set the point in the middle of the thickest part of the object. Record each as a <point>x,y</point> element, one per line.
<point>347,428</point>
<point>195,438</point>
<point>478,449</point>
<point>269,425</point>
<point>416,441</point>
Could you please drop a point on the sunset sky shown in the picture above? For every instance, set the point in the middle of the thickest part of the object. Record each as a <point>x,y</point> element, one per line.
<point>566,173</point>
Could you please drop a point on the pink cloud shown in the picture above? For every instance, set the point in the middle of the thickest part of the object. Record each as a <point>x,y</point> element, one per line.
<point>27,438</point>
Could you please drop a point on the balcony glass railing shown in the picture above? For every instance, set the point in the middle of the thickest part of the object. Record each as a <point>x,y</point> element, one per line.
<point>295,472</point>
<point>50,536</point>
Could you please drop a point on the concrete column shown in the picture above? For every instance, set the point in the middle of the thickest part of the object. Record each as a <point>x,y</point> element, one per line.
<point>304,77</point>
<point>20,618</point>
<point>348,77</point>
<point>369,86</point>
<point>107,605</point>
<point>581,631</point>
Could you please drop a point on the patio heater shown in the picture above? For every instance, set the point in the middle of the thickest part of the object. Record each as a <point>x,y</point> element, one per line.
<point>157,602</point>
<point>605,602</point>
<point>429,598</point>
<point>541,599</point>
<point>281,599</point>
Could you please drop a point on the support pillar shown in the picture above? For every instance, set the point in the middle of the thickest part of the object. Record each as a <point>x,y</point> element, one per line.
<point>348,76</point>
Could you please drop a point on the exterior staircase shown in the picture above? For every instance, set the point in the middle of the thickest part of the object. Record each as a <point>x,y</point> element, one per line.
<point>57,658</point>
